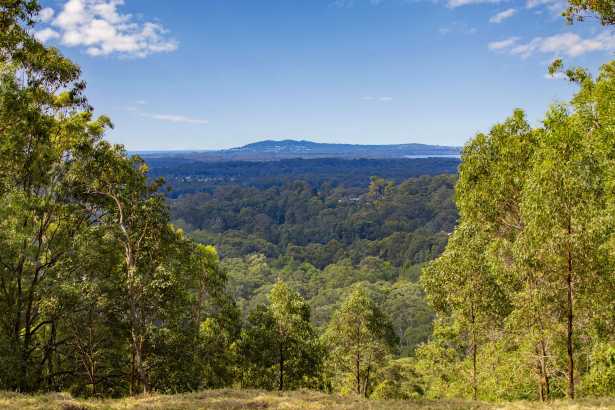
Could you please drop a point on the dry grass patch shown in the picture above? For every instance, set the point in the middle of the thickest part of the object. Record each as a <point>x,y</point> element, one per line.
<point>260,400</point>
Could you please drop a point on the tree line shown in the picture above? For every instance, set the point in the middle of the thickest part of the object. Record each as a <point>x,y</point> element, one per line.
<point>525,290</point>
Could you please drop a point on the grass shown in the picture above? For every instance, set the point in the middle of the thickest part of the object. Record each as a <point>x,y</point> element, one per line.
<point>254,399</point>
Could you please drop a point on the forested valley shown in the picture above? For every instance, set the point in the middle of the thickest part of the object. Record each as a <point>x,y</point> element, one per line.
<point>323,242</point>
<point>494,283</point>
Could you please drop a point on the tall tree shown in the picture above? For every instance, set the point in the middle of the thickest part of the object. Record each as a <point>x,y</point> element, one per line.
<point>462,285</point>
<point>280,341</point>
<point>540,202</point>
<point>46,129</point>
<point>360,338</point>
<point>563,229</point>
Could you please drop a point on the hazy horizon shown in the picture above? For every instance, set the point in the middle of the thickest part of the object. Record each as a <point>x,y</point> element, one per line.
<point>280,140</point>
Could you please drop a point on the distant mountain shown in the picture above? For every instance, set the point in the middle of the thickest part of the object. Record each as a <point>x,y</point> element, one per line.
<point>275,150</point>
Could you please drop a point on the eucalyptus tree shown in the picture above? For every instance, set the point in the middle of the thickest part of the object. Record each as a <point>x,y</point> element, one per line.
<point>360,338</point>
<point>279,342</point>
<point>536,209</point>
<point>563,232</point>
<point>137,218</point>
<point>81,224</point>
<point>46,130</point>
<point>580,10</point>
<point>214,317</point>
<point>492,184</point>
<point>461,284</point>
<point>569,203</point>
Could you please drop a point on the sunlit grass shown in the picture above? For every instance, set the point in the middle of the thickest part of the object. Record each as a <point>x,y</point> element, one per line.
<point>253,399</point>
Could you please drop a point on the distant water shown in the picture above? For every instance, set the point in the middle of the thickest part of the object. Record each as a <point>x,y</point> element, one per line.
<point>433,156</point>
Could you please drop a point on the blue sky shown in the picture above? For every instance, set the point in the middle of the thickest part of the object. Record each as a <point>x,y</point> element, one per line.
<point>205,74</point>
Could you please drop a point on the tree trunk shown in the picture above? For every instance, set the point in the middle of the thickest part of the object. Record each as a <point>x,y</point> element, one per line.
<point>139,367</point>
<point>570,348</point>
<point>51,346</point>
<point>366,385</point>
<point>131,386</point>
<point>281,383</point>
<point>25,355</point>
<point>544,371</point>
<point>474,378</point>
<point>542,377</point>
<point>358,371</point>
<point>136,328</point>
<point>570,317</point>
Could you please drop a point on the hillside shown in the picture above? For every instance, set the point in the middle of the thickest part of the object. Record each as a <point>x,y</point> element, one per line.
<point>254,399</point>
<point>275,150</point>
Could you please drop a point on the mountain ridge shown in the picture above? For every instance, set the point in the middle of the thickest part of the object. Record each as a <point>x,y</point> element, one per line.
<point>289,149</point>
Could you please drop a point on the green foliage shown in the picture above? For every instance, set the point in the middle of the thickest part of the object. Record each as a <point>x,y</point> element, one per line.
<point>599,381</point>
<point>398,380</point>
<point>359,339</point>
<point>279,347</point>
<point>402,223</point>
<point>188,174</point>
<point>525,284</point>
<point>251,279</point>
<point>579,10</point>
<point>99,294</point>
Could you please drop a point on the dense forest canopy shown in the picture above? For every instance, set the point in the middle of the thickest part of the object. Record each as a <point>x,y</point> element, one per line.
<point>323,240</point>
<point>185,175</point>
<point>304,282</point>
<point>404,223</point>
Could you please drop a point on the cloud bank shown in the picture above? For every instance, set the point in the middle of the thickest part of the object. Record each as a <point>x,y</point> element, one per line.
<point>569,44</point>
<point>99,27</point>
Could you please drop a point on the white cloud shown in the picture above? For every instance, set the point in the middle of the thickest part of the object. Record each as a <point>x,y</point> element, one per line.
<point>46,14</point>
<point>351,3</point>
<point>458,3</point>
<point>103,30</point>
<point>569,44</point>
<point>46,34</point>
<point>450,3</point>
<point>175,118</point>
<point>555,6</point>
<point>503,15</point>
<point>500,45</point>
<point>380,99</point>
